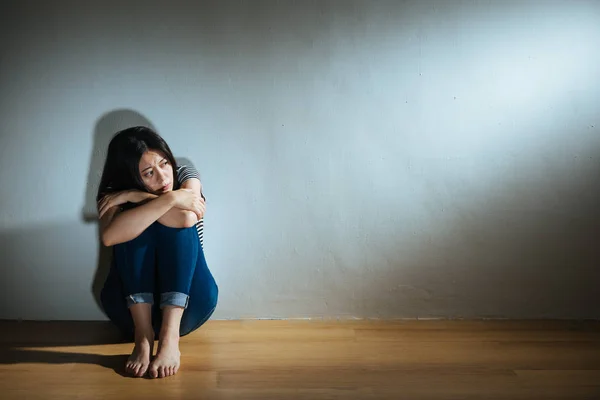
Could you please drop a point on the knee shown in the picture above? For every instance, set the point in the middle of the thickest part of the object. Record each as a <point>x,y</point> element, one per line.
<point>187,220</point>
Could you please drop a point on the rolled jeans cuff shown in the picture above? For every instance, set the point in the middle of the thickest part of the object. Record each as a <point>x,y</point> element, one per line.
<point>140,298</point>
<point>174,299</point>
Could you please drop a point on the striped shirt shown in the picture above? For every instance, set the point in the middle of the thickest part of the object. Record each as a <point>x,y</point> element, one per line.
<point>185,172</point>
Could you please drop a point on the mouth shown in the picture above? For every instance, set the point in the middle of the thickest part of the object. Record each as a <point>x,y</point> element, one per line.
<point>165,188</point>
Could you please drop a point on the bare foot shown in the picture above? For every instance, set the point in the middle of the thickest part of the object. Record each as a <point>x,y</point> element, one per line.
<point>167,358</point>
<point>138,362</point>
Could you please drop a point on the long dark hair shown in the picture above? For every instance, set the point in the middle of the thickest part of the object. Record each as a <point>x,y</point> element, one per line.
<point>121,168</point>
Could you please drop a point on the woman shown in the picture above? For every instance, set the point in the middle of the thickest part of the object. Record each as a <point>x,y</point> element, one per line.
<point>151,213</point>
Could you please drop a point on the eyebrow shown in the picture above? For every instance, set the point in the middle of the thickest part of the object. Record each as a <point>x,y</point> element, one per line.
<point>150,166</point>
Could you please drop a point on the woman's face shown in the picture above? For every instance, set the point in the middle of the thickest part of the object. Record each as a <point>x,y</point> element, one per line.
<point>156,172</point>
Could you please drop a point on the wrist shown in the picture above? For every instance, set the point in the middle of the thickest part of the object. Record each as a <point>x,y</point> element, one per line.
<point>171,198</point>
<point>150,196</point>
<point>126,197</point>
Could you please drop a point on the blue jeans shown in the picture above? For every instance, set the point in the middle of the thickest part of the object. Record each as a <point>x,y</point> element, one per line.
<point>162,266</point>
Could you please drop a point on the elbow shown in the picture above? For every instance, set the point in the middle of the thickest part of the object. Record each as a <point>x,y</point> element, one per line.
<point>106,239</point>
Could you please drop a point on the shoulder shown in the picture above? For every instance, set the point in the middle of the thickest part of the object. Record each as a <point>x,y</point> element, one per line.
<point>185,172</point>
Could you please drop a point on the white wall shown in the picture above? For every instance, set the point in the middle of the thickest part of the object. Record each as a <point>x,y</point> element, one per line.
<point>367,159</point>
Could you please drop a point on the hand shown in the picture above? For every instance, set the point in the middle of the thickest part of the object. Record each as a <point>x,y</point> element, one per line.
<point>111,200</point>
<point>186,199</point>
<point>118,198</point>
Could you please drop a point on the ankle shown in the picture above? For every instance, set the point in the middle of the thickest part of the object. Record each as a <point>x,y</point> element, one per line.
<point>169,335</point>
<point>144,333</point>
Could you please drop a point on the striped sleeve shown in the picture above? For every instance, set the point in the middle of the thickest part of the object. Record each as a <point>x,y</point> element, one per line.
<point>186,172</point>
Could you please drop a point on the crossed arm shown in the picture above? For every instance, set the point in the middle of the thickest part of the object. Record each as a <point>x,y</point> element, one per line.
<point>179,218</point>
<point>177,209</point>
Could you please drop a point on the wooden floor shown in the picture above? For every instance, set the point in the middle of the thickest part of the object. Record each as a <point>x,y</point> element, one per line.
<point>312,360</point>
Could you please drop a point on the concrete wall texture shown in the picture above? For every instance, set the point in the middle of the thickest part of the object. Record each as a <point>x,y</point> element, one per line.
<point>378,159</point>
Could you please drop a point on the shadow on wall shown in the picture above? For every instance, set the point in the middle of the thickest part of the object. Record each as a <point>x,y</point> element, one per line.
<point>43,268</point>
<point>106,127</point>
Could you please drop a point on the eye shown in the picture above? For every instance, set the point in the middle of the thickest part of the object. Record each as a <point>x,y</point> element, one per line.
<point>148,174</point>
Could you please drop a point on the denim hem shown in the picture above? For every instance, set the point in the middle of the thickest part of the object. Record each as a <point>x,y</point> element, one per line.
<point>174,299</point>
<point>140,298</point>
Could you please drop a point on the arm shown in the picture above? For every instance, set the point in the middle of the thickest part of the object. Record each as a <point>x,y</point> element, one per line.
<point>118,227</point>
<point>178,218</point>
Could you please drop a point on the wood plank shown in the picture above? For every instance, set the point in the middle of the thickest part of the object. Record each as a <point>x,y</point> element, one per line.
<point>480,335</point>
<point>313,360</point>
<point>358,378</point>
<point>559,378</point>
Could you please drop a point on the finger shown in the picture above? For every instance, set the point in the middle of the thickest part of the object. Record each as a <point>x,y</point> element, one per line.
<point>103,204</point>
<point>103,208</point>
<point>105,200</point>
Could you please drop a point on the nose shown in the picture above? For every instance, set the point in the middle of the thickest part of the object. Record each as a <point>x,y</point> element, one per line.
<point>162,177</point>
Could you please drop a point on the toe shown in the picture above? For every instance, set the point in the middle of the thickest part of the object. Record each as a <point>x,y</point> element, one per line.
<point>161,372</point>
<point>131,369</point>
